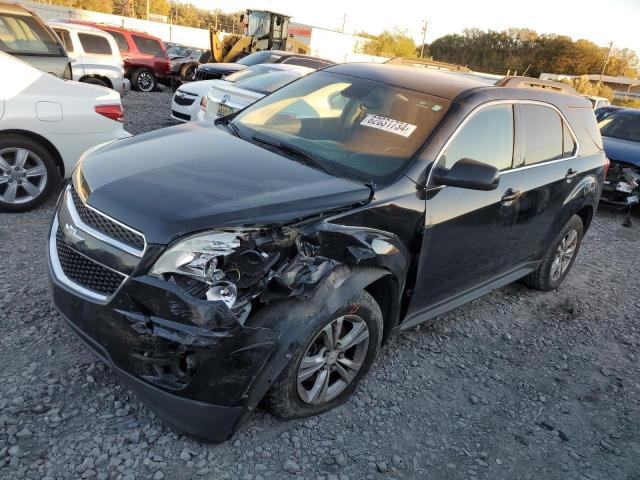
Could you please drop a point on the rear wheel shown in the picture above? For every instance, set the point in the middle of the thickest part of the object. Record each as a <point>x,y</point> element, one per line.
<point>28,173</point>
<point>143,80</point>
<point>332,361</point>
<point>187,72</point>
<point>559,257</point>
<point>94,81</point>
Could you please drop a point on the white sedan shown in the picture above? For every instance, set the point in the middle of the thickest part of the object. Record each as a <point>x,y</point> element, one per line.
<point>46,124</point>
<point>226,98</point>
<point>187,99</point>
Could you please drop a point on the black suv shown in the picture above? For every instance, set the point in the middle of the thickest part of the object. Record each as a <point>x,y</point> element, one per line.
<point>212,71</point>
<point>272,260</point>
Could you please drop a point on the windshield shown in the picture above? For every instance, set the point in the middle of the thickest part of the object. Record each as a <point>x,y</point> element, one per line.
<point>247,73</point>
<point>179,51</point>
<point>621,125</point>
<point>357,128</point>
<point>258,24</point>
<point>269,82</point>
<point>264,56</point>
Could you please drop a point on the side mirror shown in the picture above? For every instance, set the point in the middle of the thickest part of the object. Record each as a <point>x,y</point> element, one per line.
<point>468,173</point>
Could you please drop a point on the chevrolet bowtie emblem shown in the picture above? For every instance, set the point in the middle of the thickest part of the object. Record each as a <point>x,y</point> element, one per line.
<point>72,233</point>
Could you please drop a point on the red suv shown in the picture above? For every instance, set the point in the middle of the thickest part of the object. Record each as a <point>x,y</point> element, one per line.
<point>145,57</point>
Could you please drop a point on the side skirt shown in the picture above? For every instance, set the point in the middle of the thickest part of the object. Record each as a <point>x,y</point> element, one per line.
<point>459,299</point>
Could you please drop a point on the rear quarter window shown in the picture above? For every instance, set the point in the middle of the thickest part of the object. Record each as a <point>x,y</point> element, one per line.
<point>148,46</point>
<point>65,37</point>
<point>96,44</point>
<point>120,39</point>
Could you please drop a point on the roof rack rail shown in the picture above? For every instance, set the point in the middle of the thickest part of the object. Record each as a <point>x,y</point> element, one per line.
<point>529,82</point>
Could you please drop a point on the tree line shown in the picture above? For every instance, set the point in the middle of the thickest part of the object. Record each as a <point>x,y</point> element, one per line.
<point>177,13</point>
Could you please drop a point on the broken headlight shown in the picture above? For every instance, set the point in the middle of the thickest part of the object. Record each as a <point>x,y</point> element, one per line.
<point>231,266</point>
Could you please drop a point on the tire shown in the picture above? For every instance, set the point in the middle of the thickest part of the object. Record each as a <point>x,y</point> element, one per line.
<point>187,71</point>
<point>143,80</point>
<point>547,277</point>
<point>94,81</point>
<point>36,167</point>
<point>284,398</point>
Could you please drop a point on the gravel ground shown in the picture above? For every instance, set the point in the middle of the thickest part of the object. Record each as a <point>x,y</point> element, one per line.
<point>516,385</point>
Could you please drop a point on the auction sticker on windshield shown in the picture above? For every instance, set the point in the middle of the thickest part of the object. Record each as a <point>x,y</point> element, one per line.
<point>388,125</point>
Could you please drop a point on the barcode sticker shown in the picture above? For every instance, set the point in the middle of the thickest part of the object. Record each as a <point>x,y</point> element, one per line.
<point>388,125</point>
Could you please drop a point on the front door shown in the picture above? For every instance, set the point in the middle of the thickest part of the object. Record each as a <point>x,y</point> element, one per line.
<point>468,233</point>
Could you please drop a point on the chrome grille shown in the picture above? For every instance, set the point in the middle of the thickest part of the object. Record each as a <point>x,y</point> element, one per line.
<point>105,225</point>
<point>84,272</point>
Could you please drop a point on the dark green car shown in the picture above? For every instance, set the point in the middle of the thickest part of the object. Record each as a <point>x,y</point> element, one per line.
<point>27,37</point>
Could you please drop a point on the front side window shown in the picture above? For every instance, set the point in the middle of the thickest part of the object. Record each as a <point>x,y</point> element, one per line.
<point>148,46</point>
<point>123,45</point>
<point>23,34</point>
<point>621,125</point>
<point>543,134</point>
<point>356,128</point>
<point>96,44</point>
<point>65,37</point>
<point>487,137</point>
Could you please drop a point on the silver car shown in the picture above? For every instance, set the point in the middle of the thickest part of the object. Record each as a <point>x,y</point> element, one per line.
<point>95,57</point>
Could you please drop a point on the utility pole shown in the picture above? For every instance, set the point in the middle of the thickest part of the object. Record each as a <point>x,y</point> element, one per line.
<point>344,21</point>
<point>147,9</point>
<point>424,34</point>
<point>604,67</point>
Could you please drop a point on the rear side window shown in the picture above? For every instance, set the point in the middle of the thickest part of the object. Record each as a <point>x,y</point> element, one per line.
<point>65,38</point>
<point>543,134</point>
<point>94,44</point>
<point>304,62</point>
<point>123,45</point>
<point>24,34</point>
<point>487,137</point>
<point>148,46</point>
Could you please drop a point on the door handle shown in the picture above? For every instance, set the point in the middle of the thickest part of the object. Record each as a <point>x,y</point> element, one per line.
<point>570,174</point>
<point>510,195</point>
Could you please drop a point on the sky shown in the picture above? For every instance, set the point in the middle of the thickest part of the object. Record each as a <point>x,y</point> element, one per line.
<point>598,21</point>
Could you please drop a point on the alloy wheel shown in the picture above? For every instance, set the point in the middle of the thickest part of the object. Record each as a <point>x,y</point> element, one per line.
<point>23,175</point>
<point>564,254</point>
<point>333,359</point>
<point>145,81</point>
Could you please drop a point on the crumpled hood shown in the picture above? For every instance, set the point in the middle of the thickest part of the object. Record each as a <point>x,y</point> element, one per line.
<point>622,150</point>
<point>192,177</point>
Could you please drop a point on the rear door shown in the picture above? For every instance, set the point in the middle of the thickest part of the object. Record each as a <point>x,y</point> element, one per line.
<point>150,54</point>
<point>96,51</point>
<point>549,173</point>
<point>468,233</point>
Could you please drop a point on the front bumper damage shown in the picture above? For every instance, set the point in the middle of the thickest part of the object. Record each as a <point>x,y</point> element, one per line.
<point>622,187</point>
<point>198,364</point>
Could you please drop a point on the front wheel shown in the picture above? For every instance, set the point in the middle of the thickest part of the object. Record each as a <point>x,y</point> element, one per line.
<point>559,258</point>
<point>332,361</point>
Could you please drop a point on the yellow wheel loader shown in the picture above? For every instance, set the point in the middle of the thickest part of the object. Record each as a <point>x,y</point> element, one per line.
<point>263,30</point>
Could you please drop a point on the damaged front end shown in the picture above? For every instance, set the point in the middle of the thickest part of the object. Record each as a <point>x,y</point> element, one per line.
<point>201,328</point>
<point>622,187</point>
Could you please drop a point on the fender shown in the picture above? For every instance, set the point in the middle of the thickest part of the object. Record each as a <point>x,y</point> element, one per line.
<point>295,318</point>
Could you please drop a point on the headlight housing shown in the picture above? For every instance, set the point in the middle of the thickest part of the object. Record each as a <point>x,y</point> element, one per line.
<point>231,266</point>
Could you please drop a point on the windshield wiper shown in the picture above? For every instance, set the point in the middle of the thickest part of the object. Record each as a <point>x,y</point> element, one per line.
<point>307,157</point>
<point>234,130</point>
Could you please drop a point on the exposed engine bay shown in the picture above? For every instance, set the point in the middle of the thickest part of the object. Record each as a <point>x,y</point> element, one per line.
<point>622,187</point>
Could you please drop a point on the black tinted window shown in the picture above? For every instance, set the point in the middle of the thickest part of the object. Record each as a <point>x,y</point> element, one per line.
<point>304,62</point>
<point>543,134</point>
<point>66,39</point>
<point>148,46</point>
<point>568,144</point>
<point>94,44</point>
<point>487,137</point>
<point>123,46</point>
